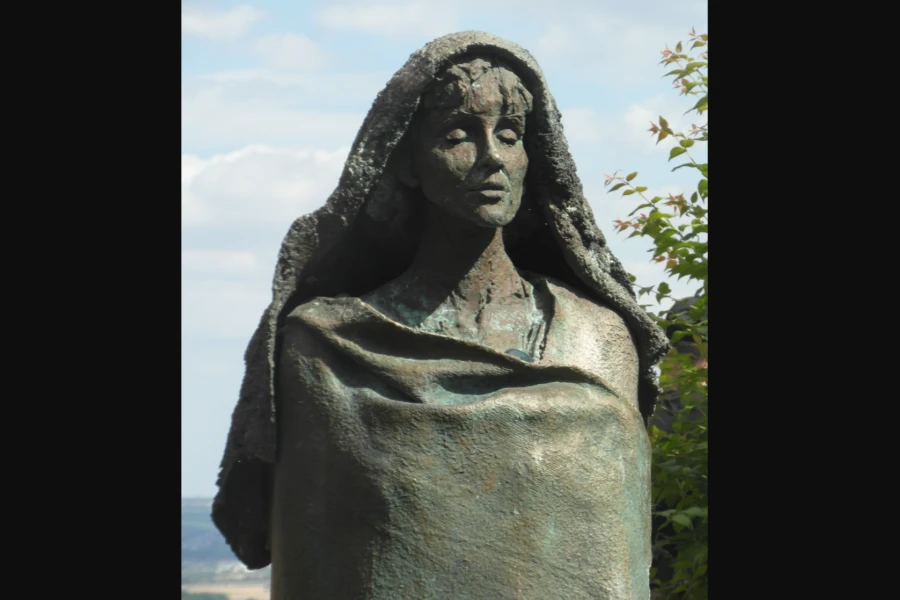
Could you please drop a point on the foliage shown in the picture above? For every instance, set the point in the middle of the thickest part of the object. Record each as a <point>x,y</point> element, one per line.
<point>678,227</point>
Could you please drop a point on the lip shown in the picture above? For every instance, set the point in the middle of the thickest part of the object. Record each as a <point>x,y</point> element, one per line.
<point>490,187</point>
<point>489,195</point>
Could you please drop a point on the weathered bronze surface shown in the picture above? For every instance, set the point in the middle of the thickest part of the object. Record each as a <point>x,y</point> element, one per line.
<point>446,398</point>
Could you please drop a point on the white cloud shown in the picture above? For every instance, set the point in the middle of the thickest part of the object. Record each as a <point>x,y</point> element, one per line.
<point>221,309</point>
<point>330,86</point>
<point>258,185</point>
<point>556,41</point>
<point>289,51</point>
<point>414,19</point>
<point>223,262</point>
<point>253,109</point>
<point>584,125</point>
<point>290,89</point>
<point>610,47</point>
<point>628,132</point>
<point>192,209</point>
<point>217,25</point>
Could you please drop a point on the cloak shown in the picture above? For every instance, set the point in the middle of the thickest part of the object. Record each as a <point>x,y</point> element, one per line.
<point>413,465</point>
<point>364,236</point>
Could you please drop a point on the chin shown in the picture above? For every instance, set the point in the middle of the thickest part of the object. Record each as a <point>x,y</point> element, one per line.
<point>495,215</point>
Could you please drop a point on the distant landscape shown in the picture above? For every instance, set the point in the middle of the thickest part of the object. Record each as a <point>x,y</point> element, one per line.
<point>209,569</point>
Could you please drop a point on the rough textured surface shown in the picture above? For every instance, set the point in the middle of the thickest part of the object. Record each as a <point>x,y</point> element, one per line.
<point>357,241</point>
<point>437,468</point>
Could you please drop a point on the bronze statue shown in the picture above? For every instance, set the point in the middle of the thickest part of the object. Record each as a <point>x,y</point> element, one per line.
<point>447,397</point>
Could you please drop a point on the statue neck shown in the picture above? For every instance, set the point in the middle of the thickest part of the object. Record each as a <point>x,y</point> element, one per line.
<point>459,259</point>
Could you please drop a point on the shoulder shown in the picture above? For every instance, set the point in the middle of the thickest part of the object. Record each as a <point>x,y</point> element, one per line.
<point>589,334</point>
<point>322,307</point>
<point>585,309</point>
<point>306,337</point>
<point>322,314</point>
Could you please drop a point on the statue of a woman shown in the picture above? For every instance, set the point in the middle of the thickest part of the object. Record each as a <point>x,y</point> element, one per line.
<point>447,396</point>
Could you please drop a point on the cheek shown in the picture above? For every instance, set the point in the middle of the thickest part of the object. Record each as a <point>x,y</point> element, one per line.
<point>517,164</point>
<point>450,164</point>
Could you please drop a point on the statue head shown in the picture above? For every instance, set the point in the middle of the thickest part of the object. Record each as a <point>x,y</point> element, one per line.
<point>465,149</point>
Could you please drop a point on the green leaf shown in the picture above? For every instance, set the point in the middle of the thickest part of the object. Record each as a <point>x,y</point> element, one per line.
<point>703,187</point>
<point>678,48</point>
<point>663,123</point>
<point>682,519</point>
<point>695,65</point>
<point>676,151</point>
<point>639,208</point>
<point>615,187</point>
<point>640,189</point>
<point>664,288</point>
<point>627,192</point>
<point>701,104</point>
<point>686,143</point>
<point>631,176</point>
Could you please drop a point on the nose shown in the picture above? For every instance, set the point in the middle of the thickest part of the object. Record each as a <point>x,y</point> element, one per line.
<point>490,157</point>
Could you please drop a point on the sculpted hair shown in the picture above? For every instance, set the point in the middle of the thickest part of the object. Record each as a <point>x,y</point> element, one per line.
<point>453,87</point>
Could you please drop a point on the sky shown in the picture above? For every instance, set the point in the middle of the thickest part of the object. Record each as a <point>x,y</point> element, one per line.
<point>273,94</point>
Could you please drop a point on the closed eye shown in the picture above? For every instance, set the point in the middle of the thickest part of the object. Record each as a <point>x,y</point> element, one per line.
<point>508,136</point>
<point>456,136</point>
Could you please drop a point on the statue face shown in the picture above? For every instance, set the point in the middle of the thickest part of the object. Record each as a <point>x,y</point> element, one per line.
<point>470,160</point>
